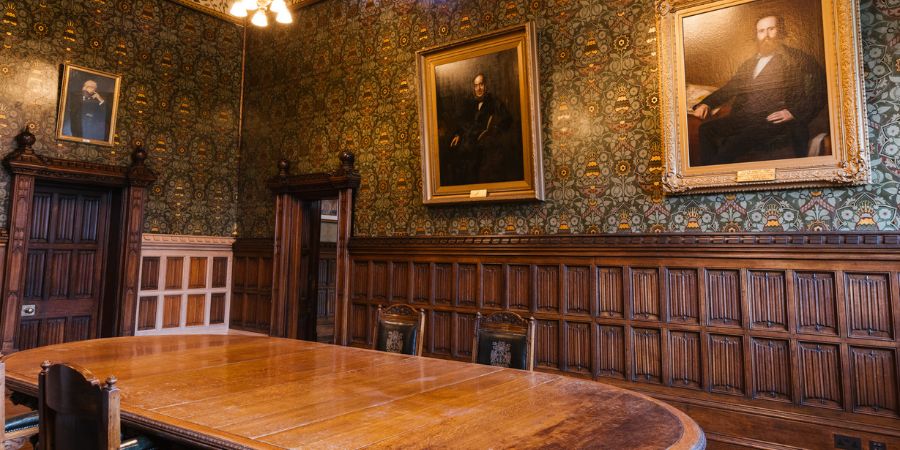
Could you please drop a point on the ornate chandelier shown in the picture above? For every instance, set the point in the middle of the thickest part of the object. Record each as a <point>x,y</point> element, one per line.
<point>242,8</point>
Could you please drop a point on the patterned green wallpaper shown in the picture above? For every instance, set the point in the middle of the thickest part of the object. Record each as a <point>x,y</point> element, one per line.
<point>344,78</point>
<point>181,80</point>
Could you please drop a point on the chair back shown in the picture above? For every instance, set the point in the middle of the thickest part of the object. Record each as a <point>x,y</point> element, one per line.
<point>76,411</point>
<point>504,339</point>
<point>399,329</point>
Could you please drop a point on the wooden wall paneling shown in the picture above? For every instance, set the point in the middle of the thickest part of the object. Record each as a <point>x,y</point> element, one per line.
<point>874,380</point>
<point>869,312</point>
<point>174,273</point>
<point>684,359</point>
<point>359,324</point>
<point>767,300</point>
<point>443,284</point>
<point>493,286</point>
<point>732,330</point>
<point>172,311</point>
<point>220,272</point>
<point>683,296</point>
<point>611,351</point>
<point>645,294</point>
<point>150,273</point>
<point>147,312</point>
<point>547,344</point>
<point>380,282</point>
<point>547,288</point>
<point>196,310</point>
<point>518,287</point>
<point>771,369</point>
<point>422,282</point>
<point>399,282</point>
<point>20,211</point>
<point>814,294</point>
<point>217,308</point>
<point>197,273</point>
<point>467,285</point>
<point>441,333</point>
<point>610,293</point>
<point>463,330</point>
<point>723,294</point>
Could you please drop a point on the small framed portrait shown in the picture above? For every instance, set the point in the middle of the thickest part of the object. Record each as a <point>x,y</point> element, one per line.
<point>88,102</point>
<point>480,119</point>
<point>761,94</point>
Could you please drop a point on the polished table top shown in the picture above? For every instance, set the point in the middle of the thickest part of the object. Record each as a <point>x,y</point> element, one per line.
<point>258,392</point>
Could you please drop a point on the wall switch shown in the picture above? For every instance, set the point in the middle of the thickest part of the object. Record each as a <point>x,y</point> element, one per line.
<point>847,442</point>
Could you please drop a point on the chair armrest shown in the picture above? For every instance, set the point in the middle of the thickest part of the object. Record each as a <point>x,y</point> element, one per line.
<point>23,425</point>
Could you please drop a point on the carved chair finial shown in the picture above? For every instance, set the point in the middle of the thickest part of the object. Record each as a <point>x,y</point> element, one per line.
<point>139,155</point>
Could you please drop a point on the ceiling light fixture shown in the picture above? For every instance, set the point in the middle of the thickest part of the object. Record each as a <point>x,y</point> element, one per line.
<point>243,8</point>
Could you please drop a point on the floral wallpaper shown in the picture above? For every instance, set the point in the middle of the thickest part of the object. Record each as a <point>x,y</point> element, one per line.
<point>344,78</point>
<point>180,95</point>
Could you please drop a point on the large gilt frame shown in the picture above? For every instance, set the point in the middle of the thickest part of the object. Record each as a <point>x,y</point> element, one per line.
<point>522,38</point>
<point>847,165</point>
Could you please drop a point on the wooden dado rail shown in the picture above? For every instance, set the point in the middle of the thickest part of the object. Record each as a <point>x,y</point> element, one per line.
<point>778,338</point>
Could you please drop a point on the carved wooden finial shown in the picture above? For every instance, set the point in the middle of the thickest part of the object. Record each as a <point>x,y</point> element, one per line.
<point>25,140</point>
<point>348,159</point>
<point>139,155</point>
<point>111,382</point>
<point>284,167</point>
<point>45,366</point>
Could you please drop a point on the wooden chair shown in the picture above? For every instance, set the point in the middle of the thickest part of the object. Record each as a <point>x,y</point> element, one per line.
<point>78,413</point>
<point>399,329</point>
<point>17,429</point>
<point>504,339</point>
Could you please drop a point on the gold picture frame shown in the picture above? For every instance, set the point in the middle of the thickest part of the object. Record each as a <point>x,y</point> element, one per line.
<point>480,121</point>
<point>723,137</point>
<point>88,103</point>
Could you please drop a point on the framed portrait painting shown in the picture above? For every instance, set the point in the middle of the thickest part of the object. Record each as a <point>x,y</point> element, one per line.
<point>480,119</point>
<point>761,94</point>
<point>88,102</point>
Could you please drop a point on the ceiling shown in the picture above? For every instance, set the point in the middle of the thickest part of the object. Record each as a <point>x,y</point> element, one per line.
<point>219,8</point>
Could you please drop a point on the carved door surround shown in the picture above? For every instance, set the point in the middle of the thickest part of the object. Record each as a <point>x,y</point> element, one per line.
<point>128,192</point>
<point>297,220</point>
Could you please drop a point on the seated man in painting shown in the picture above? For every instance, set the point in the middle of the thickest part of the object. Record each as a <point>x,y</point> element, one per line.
<point>773,97</point>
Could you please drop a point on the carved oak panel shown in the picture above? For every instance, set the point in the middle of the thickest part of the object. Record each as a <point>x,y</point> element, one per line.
<point>421,283</point>
<point>464,330</point>
<point>441,337</point>
<point>360,280</point>
<point>874,380</point>
<point>492,279</point>
<point>771,369</point>
<point>647,362</point>
<point>547,294</point>
<point>767,300</point>
<point>611,351</point>
<point>467,285</point>
<point>578,347</point>
<point>868,306</point>
<point>645,294</point>
<point>609,284</point>
<point>684,357</point>
<point>443,284</point>
<point>820,375</point>
<point>726,364</point>
<point>723,298</point>
<point>816,308</point>
<point>399,278</point>
<point>547,344</point>
<point>519,287</point>
<point>579,295</point>
<point>380,281</point>
<point>683,296</point>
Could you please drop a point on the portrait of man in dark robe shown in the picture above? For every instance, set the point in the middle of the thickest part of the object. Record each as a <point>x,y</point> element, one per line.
<point>479,121</point>
<point>773,105</point>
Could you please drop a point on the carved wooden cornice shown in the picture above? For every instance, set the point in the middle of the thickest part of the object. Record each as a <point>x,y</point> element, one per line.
<point>24,161</point>
<point>185,242</point>
<point>831,241</point>
<point>316,185</point>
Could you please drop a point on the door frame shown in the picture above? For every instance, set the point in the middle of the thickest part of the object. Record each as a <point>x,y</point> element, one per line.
<point>128,188</point>
<point>296,222</point>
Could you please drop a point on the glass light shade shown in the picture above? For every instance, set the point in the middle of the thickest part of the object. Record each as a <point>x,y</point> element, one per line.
<point>250,5</point>
<point>259,18</point>
<point>278,6</point>
<point>238,9</point>
<point>284,16</point>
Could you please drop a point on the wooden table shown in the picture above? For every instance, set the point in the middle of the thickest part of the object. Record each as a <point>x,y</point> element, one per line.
<point>258,392</point>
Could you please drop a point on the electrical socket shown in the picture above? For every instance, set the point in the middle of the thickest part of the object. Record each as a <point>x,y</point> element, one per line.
<point>847,442</point>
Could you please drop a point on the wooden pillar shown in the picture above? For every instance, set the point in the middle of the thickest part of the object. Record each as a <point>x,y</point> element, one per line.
<point>342,282</point>
<point>135,196</point>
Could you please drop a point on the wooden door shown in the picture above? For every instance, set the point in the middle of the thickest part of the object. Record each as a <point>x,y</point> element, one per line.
<point>66,247</point>
<point>326,294</point>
